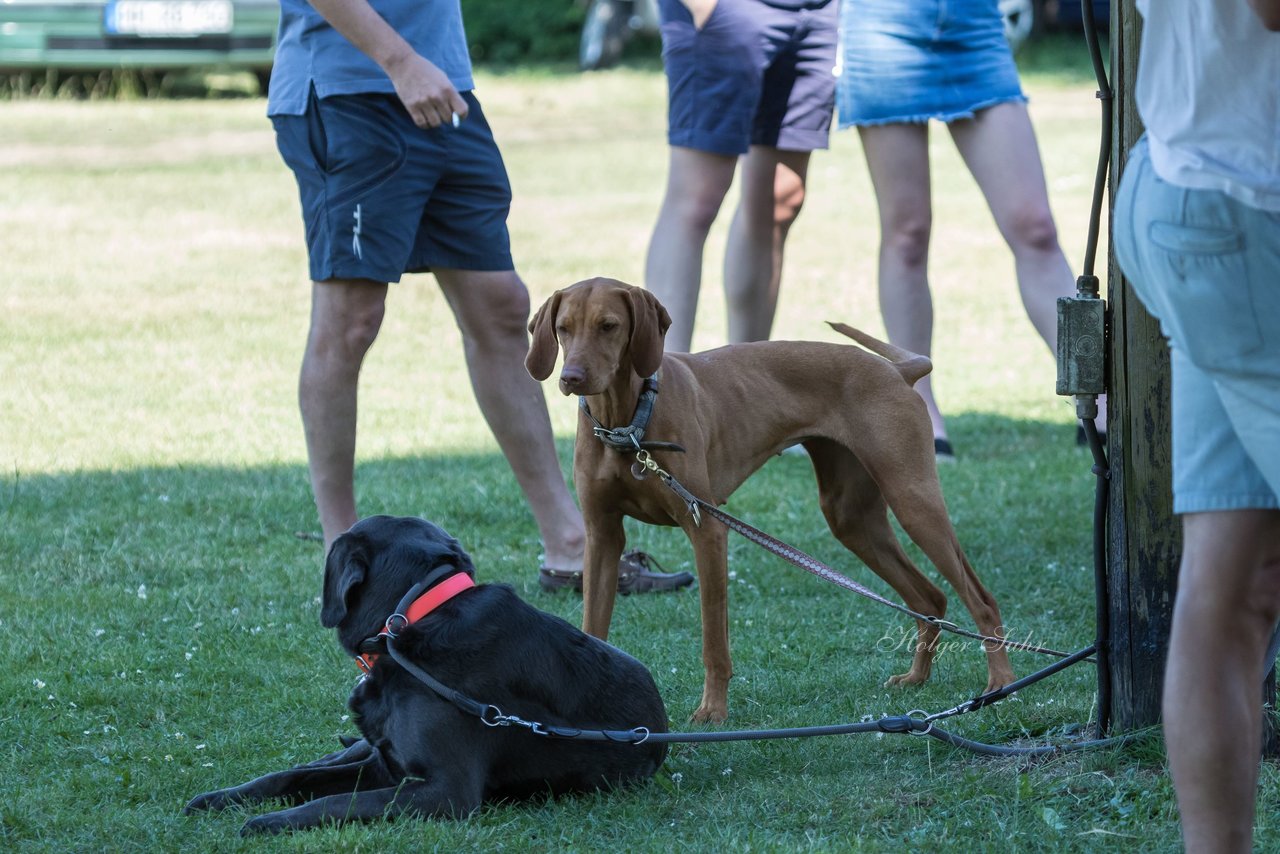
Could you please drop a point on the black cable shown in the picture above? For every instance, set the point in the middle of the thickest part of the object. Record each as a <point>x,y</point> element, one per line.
<point>1088,285</point>
<point>1101,599</point>
<point>1104,151</point>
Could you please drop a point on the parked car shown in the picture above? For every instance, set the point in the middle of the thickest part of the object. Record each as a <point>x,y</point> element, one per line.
<point>156,34</point>
<point>609,24</point>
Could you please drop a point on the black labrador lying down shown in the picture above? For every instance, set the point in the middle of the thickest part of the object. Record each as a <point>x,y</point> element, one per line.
<point>421,754</point>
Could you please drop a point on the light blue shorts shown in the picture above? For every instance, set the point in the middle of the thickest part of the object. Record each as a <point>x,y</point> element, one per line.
<point>909,61</point>
<point>1208,267</point>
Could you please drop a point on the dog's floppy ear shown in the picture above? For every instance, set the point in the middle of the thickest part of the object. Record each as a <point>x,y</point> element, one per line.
<point>544,346</point>
<point>344,570</point>
<point>649,324</point>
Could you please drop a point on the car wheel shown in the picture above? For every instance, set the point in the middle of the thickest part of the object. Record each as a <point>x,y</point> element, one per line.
<point>603,33</point>
<point>1019,21</point>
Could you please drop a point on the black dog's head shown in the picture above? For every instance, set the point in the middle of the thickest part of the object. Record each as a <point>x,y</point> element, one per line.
<point>373,565</point>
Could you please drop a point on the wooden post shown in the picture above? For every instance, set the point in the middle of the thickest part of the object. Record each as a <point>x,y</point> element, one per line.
<point>1145,540</point>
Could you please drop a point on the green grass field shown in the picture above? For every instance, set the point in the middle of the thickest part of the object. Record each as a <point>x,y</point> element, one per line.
<point>159,606</point>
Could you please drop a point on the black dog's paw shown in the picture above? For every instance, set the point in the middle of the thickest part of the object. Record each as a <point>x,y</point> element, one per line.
<point>210,801</point>
<point>271,823</point>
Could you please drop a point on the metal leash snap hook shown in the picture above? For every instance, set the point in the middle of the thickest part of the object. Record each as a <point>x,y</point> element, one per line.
<point>924,718</point>
<point>391,630</point>
<point>643,465</point>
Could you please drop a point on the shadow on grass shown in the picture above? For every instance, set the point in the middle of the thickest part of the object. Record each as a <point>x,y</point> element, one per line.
<point>1021,493</point>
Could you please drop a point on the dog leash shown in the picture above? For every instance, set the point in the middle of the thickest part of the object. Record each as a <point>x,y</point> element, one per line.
<point>424,597</point>
<point>647,465</point>
<point>916,722</point>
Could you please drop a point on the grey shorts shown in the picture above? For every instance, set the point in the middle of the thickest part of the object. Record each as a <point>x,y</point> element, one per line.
<point>1208,267</point>
<point>754,74</point>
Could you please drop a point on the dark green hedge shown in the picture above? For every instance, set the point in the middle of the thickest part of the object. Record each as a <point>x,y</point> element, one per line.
<point>513,31</point>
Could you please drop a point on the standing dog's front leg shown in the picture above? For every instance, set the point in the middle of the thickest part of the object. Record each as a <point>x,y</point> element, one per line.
<point>711,553</point>
<point>606,539</point>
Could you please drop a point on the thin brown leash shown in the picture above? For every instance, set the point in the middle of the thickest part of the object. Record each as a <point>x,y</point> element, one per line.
<point>646,465</point>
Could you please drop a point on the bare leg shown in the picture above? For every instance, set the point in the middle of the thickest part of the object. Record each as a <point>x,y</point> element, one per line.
<point>773,183</point>
<point>696,185</point>
<point>491,310</point>
<point>1228,602</point>
<point>898,160</point>
<point>345,318</point>
<point>999,147</point>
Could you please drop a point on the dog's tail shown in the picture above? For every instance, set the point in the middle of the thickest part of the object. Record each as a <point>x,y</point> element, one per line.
<point>912,366</point>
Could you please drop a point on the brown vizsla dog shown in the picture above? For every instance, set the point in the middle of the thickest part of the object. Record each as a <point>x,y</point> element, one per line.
<point>732,409</point>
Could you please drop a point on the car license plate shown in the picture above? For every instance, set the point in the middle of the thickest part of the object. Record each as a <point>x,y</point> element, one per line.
<point>168,17</point>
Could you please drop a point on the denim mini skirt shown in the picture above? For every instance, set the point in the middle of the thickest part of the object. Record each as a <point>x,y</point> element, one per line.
<point>909,61</point>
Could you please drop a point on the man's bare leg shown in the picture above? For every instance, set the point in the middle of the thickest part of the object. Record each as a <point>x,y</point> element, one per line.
<point>345,317</point>
<point>492,310</point>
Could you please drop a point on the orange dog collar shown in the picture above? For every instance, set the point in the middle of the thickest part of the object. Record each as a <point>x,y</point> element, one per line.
<point>419,608</point>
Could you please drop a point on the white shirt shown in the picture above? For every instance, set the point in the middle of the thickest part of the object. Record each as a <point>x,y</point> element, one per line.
<point>1209,93</point>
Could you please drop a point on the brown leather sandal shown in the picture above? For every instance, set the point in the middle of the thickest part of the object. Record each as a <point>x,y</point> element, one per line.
<point>634,576</point>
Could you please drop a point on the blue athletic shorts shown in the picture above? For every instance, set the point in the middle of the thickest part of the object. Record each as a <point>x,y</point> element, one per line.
<point>755,74</point>
<point>382,197</point>
<point>1208,267</point>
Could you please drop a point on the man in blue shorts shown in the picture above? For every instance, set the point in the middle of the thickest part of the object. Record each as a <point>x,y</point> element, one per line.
<point>1197,230</point>
<point>398,172</point>
<point>749,79</point>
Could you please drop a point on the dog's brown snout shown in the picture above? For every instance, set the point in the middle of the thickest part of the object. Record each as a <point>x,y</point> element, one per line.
<point>572,378</point>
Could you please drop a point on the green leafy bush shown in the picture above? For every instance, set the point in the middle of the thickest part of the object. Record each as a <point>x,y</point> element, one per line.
<point>505,32</point>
